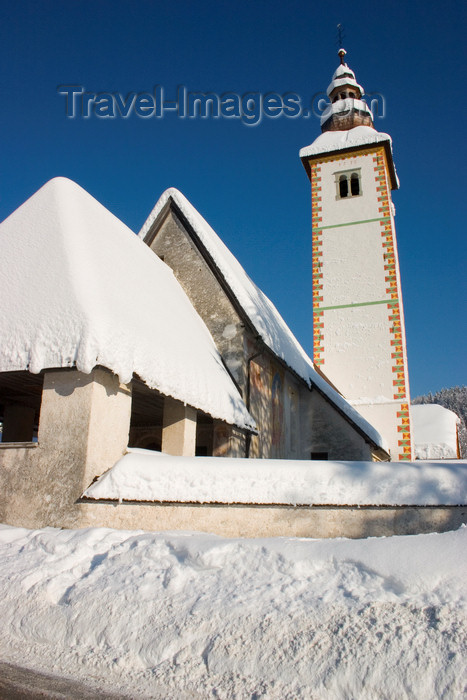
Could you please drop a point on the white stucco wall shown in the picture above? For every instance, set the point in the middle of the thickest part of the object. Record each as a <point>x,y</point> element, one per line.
<point>357,208</point>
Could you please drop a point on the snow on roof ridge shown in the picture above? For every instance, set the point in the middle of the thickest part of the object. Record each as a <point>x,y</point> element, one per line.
<point>343,69</point>
<point>260,310</point>
<point>340,82</point>
<point>244,289</point>
<point>84,306</point>
<point>159,205</point>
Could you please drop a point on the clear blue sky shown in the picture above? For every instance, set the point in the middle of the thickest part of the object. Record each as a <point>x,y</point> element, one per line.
<point>248,181</point>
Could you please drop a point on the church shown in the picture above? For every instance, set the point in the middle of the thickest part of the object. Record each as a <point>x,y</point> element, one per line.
<point>118,346</point>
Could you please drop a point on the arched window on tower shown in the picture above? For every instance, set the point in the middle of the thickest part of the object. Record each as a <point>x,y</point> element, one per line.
<point>343,186</point>
<point>348,183</point>
<point>354,184</point>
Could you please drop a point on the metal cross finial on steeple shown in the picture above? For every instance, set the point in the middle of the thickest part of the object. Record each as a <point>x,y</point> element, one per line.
<point>340,35</point>
<point>340,39</point>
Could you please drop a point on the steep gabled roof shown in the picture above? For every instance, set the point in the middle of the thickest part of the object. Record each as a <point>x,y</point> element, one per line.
<point>80,289</point>
<point>259,311</point>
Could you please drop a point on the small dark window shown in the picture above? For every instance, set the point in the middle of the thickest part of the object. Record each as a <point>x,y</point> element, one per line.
<point>343,95</point>
<point>20,404</point>
<point>343,186</point>
<point>319,455</point>
<point>348,184</point>
<point>354,184</point>
<point>351,94</point>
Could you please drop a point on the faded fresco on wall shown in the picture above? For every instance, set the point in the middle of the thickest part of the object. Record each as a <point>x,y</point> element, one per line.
<point>260,407</point>
<point>277,401</point>
<point>291,421</point>
<point>221,439</point>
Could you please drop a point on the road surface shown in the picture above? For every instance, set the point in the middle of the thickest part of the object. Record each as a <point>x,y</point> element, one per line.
<point>22,684</point>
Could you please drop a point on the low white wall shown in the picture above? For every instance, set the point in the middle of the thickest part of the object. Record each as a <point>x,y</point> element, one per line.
<point>36,491</point>
<point>275,521</point>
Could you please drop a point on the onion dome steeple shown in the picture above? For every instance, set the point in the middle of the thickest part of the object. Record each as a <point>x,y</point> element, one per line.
<point>346,109</point>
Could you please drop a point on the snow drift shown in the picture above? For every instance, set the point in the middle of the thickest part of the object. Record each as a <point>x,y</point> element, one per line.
<point>184,615</point>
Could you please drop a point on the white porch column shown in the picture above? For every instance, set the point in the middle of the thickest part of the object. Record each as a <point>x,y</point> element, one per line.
<point>178,428</point>
<point>84,422</point>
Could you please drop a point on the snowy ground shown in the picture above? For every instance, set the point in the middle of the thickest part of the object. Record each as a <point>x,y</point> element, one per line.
<point>183,615</point>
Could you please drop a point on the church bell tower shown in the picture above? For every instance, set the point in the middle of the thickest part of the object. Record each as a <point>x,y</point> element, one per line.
<point>358,319</point>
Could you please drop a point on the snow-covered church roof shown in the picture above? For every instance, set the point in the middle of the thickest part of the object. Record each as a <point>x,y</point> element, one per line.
<point>343,107</point>
<point>331,141</point>
<point>343,75</point>
<point>258,308</point>
<point>79,288</point>
<point>360,136</point>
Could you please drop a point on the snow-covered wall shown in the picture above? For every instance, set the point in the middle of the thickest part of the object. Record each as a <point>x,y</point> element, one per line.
<point>435,431</point>
<point>142,475</point>
<point>255,498</point>
<point>233,497</point>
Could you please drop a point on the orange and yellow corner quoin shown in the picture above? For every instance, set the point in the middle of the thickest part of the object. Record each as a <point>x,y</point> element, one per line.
<point>399,368</point>
<point>317,242</point>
